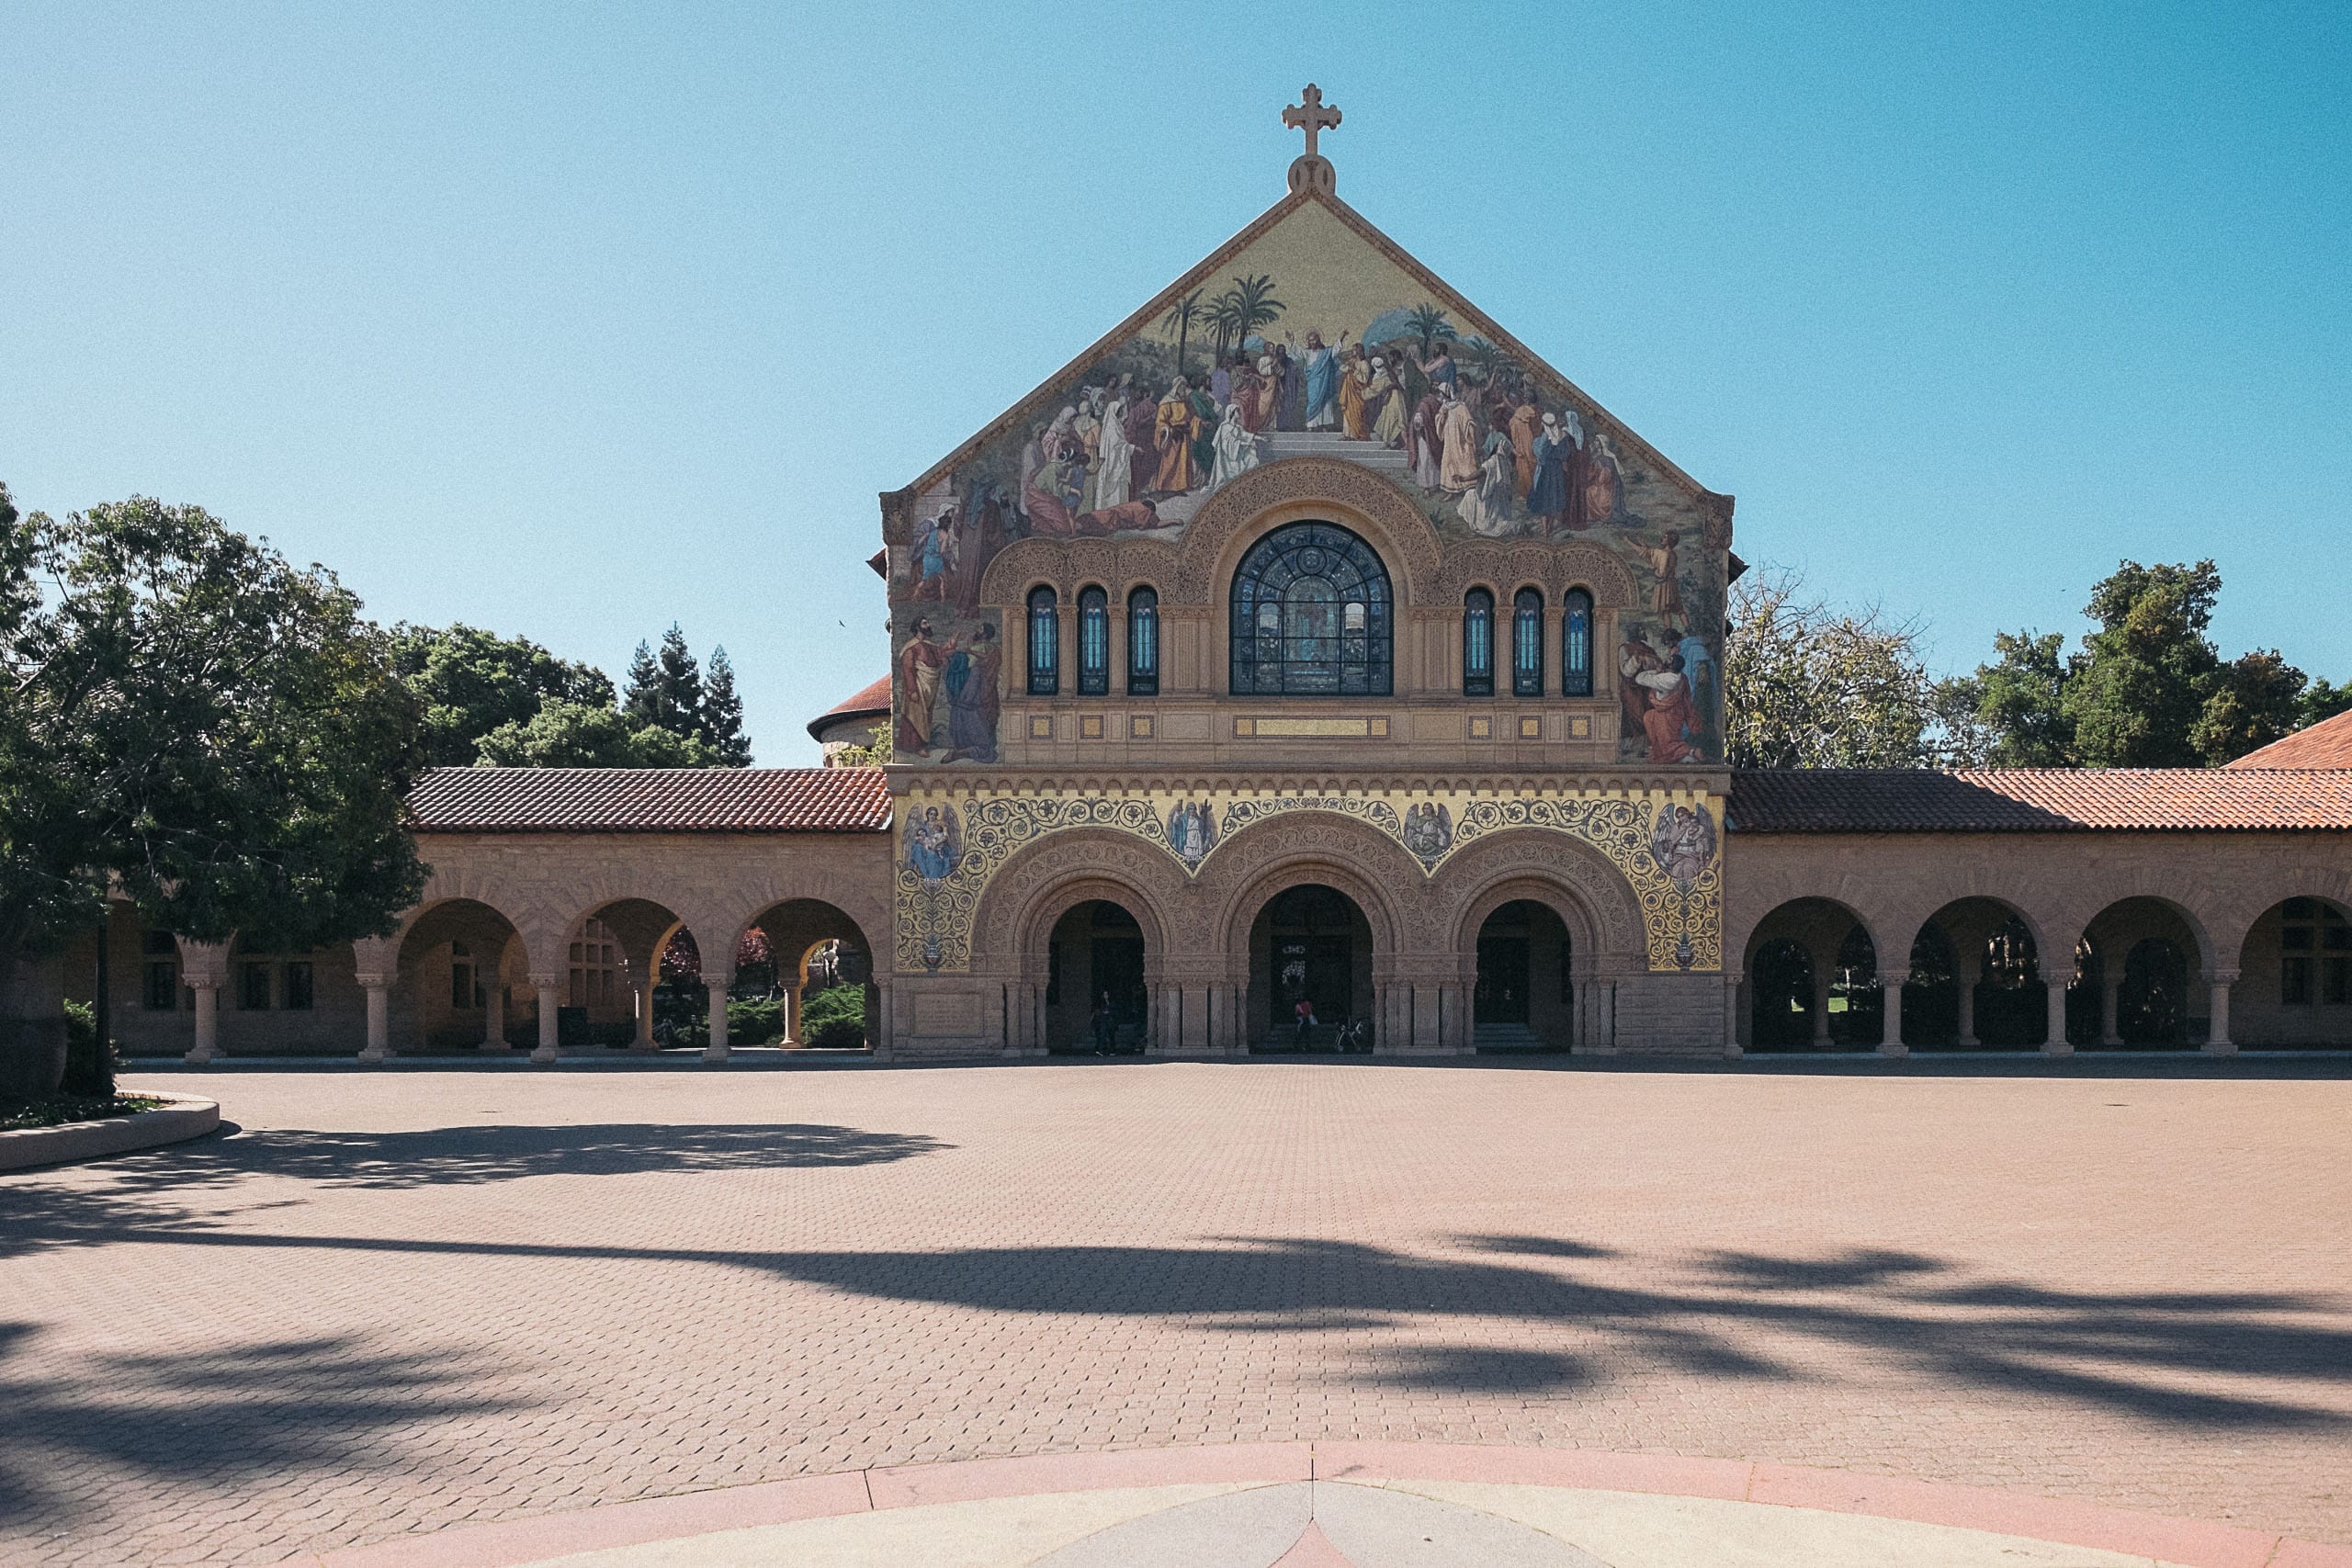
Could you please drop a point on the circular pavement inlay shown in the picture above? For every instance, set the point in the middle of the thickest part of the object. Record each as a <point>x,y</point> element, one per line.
<point>1370,1527</point>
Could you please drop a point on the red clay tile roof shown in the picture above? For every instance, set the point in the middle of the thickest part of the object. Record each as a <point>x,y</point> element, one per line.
<point>2327,744</point>
<point>2059,800</point>
<point>870,701</point>
<point>650,800</point>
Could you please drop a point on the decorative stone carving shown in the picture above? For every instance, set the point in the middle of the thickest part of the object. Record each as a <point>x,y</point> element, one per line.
<point>1292,481</point>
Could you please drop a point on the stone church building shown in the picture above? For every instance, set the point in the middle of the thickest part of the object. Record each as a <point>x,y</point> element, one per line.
<point>1310,664</point>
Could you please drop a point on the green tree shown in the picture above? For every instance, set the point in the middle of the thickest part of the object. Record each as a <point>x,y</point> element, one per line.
<point>665,688</point>
<point>1180,317</point>
<point>2141,681</point>
<point>215,733</point>
<point>1808,686</point>
<point>2255,698</point>
<point>722,715</point>
<point>576,734</point>
<point>1429,324</point>
<point>2147,689</point>
<point>2321,699</point>
<point>472,682</point>
<point>2012,713</point>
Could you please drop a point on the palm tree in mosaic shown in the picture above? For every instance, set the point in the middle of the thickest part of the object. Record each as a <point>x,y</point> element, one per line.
<point>1180,316</point>
<point>1223,314</point>
<point>1429,323</point>
<point>1255,305</point>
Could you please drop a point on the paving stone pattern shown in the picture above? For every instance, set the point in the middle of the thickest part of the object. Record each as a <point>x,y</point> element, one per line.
<point>393,1302</point>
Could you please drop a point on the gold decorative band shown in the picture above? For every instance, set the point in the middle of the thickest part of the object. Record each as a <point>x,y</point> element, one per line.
<point>1311,727</point>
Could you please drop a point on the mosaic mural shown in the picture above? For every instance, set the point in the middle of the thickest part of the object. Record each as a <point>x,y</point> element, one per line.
<point>1668,852</point>
<point>1309,341</point>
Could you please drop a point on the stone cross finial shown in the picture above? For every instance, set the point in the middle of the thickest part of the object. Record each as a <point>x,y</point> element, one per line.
<point>1310,116</point>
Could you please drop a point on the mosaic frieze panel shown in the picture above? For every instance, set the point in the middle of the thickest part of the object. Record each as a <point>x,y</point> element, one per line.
<point>1668,851</point>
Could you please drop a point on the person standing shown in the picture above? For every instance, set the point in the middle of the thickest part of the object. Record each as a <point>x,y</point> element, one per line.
<point>916,687</point>
<point>1114,464</point>
<point>1176,426</point>
<point>1323,372</point>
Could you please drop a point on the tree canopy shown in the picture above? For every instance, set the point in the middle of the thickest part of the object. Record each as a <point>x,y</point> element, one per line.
<point>472,683</point>
<point>213,731</point>
<point>1806,685</point>
<point>575,734</point>
<point>506,702</point>
<point>2147,688</point>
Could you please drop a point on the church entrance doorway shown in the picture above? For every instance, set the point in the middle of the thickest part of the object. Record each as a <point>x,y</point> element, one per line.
<point>1524,999</point>
<point>1310,972</point>
<point>1096,1001</point>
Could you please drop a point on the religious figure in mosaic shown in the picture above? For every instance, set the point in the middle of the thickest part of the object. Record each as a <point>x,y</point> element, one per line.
<point>1428,829</point>
<point>1682,842</point>
<point>935,840</point>
<point>1192,832</point>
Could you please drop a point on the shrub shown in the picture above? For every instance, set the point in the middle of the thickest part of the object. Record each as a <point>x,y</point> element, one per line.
<point>834,1017</point>
<point>89,1068</point>
<point>758,1021</point>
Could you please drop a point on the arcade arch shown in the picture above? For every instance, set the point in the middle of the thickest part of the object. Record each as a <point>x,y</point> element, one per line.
<point>458,965</point>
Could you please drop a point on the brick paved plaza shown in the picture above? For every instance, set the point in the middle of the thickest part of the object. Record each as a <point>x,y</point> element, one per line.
<point>395,1302</point>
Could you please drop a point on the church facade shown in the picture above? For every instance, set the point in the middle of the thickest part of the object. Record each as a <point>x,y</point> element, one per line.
<point>1309,665</point>
<point>1298,629</point>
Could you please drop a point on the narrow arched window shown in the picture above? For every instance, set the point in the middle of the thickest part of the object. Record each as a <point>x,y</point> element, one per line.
<point>1527,643</point>
<point>1143,643</point>
<point>1478,644</point>
<point>1576,645</point>
<point>1044,644</point>
<point>1093,642</point>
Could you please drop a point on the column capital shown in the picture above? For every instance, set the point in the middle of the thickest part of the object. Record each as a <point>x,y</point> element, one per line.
<point>2221,977</point>
<point>541,980</point>
<point>369,980</point>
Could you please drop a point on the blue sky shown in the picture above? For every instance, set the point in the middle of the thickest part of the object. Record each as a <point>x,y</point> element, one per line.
<point>572,322</point>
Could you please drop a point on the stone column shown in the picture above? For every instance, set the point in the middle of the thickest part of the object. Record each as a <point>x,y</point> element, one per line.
<point>494,1012</point>
<point>2217,1031</point>
<point>1890,1040</point>
<point>791,1008</point>
<point>642,1016</point>
<point>379,989</point>
<point>208,1023</point>
<point>715,1051</point>
<point>1734,987</point>
<point>2110,989</point>
<point>1821,973</point>
<point>1971,972</point>
<point>2054,1032</point>
<point>548,987</point>
<point>204,969</point>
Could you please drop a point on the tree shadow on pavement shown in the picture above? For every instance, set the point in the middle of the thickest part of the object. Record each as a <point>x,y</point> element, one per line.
<point>154,1195</point>
<point>309,1406</point>
<point>1540,1315</point>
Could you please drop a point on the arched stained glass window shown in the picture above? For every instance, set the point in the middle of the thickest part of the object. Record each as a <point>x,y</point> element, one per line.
<point>1527,643</point>
<point>1478,644</point>
<point>1143,643</point>
<point>1044,644</point>
<point>1576,645</point>
<point>1311,615</point>
<point>1093,642</point>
